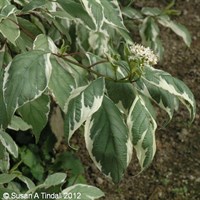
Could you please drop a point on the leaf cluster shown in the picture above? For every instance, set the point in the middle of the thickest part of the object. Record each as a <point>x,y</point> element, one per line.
<point>76,56</point>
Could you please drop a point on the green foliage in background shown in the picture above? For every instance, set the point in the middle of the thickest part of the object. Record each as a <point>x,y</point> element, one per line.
<point>148,21</point>
<point>71,67</point>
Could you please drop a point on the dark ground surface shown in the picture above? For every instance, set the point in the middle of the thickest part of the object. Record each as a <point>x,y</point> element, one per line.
<point>175,171</point>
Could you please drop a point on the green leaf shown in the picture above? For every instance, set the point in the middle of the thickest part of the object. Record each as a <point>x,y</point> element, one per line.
<point>162,98</point>
<point>68,161</point>
<point>45,43</point>
<point>179,29</point>
<point>7,11</point>
<point>25,79</point>
<point>77,11</point>
<point>51,181</point>
<point>36,114</point>
<point>62,15</point>
<point>10,29</point>
<point>40,25</point>
<point>112,14</point>
<point>57,29</point>
<point>14,186</point>
<point>98,41</point>
<point>142,128</point>
<point>83,191</point>
<point>17,123</point>
<point>82,103</point>
<point>132,13</point>
<point>164,89</point>
<point>80,75</point>
<point>6,178</point>
<point>4,159</point>
<point>9,143</point>
<point>122,94</point>
<point>3,113</point>
<point>151,11</point>
<point>102,12</point>
<point>158,48</point>
<point>30,27</point>
<point>149,105</point>
<point>25,41</point>
<point>62,81</point>
<point>149,33</point>
<point>31,159</point>
<point>29,183</point>
<point>115,70</point>
<point>95,11</point>
<point>107,140</point>
<point>32,5</point>
<point>4,3</point>
<point>82,37</point>
<point>2,56</point>
<point>54,179</point>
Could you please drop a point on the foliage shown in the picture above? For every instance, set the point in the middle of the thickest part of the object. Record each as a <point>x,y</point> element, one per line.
<point>78,55</point>
<point>148,20</point>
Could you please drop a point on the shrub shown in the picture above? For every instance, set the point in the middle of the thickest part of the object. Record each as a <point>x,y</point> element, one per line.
<point>79,57</point>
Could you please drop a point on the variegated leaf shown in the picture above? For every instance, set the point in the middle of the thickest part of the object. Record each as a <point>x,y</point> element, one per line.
<point>132,13</point>
<point>29,26</point>
<point>83,102</point>
<point>7,178</point>
<point>151,11</point>
<point>61,82</point>
<point>122,94</point>
<point>32,5</point>
<point>3,112</point>
<point>95,11</point>
<point>2,56</point>
<point>112,14</point>
<point>4,159</point>
<point>165,90</point>
<point>106,69</point>
<point>45,43</point>
<point>98,41</point>
<point>82,191</point>
<point>142,128</point>
<point>54,179</point>
<point>104,12</point>
<point>17,123</point>
<point>107,140</point>
<point>79,74</point>
<point>10,29</point>
<point>163,98</point>
<point>77,11</point>
<point>4,3</point>
<point>82,37</point>
<point>25,79</point>
<point>29,183</point>
<point>36,114</point>
<point>149,32</point>
<point>179,29</point>
<point>8,143</point>
<point>7,11</point>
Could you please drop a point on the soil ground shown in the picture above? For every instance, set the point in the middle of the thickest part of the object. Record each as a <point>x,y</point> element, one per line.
<point>175,171</point>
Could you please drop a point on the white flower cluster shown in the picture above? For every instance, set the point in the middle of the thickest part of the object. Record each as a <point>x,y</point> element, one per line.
<point>145,53</point>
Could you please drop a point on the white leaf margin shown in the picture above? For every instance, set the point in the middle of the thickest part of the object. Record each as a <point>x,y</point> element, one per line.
<point>48,70</point>
<point>138,147</point>
<point>183,97</point>
<point>85,110</point>
<point>9,143</point>
<point>79,186</point>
